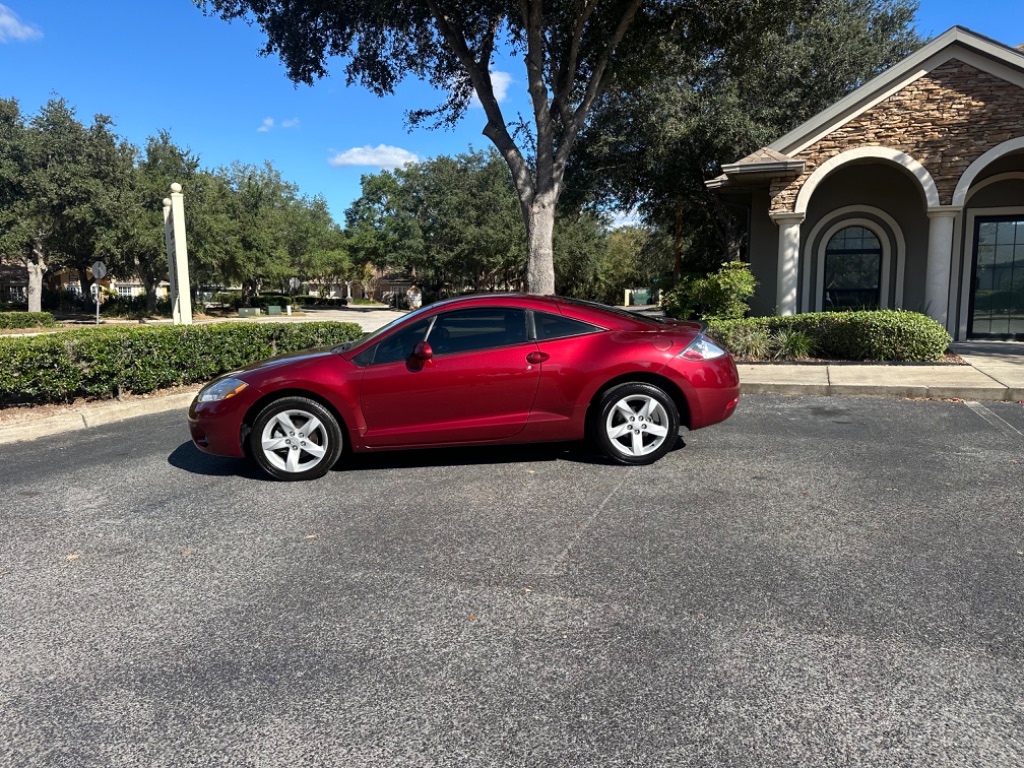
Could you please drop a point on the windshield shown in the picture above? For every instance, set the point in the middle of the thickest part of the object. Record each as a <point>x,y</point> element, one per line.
<point>379,332</point>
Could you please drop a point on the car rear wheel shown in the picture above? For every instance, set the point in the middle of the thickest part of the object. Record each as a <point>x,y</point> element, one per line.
<point>295,438</point>
<point>636,423</point>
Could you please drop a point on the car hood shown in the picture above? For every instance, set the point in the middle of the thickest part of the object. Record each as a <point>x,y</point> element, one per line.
<point>293,358</point>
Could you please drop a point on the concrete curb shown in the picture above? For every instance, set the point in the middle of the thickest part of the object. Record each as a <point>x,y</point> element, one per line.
<point>992,378</point>
<point>992,394</point>
<point>90,416</point>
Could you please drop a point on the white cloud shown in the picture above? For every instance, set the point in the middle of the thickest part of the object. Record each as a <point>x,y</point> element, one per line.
<point>293,123</point>
<point>381,156</point>
<point>268,123</point>
<point>630,218</point>
<point>500,81</point>
<point>12,28</point>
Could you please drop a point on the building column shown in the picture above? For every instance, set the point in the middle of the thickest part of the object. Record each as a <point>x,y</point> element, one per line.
<point>789,262</point>
<point>941,222</point>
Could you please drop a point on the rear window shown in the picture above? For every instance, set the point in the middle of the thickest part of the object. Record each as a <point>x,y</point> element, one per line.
<point>559,327</point>
<point>634,316</point>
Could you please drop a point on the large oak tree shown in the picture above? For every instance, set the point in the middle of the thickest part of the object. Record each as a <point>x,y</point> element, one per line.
<point>663,128</point>
<point>62,187</point>
<point>568,48</point>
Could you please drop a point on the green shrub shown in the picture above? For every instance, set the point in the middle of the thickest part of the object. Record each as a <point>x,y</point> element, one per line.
<point>134,307</point>
<point>724,294</point>
<point>316,301</point>
<point>889,335</point>
<point>10,320</point>
<point>106,362</point>
<point>750,341</point>
<point>264,300</point>
<point>790,344</point>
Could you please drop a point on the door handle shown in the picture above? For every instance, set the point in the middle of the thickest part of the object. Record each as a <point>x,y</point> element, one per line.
<point>536,358</point>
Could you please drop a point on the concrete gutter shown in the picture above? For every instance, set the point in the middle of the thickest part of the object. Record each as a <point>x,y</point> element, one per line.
<point>985,378</point>
<point>93,415</point>
<point>994,372</point>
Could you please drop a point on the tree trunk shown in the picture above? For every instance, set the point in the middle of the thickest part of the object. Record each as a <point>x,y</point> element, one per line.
<point>540,232</point>
<point>677,246</point>
<point>151,286</point>
<point>36,265</point>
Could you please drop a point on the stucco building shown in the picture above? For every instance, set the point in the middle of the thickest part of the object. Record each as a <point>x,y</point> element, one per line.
<point>907,193</point>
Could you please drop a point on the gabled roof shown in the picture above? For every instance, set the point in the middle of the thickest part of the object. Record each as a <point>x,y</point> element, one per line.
<point>778,158</point>
<point>956,42</point>
<point>765,159</point>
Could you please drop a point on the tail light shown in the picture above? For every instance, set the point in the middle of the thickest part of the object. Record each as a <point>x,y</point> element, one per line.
<point>702,348</point>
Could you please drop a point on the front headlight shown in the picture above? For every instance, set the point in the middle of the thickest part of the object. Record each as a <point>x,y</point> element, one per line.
<point>221,390</point>
<point>702,348</point>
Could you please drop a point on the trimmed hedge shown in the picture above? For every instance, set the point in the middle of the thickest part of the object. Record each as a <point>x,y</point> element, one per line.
<point>881,335</point>
<point>106,362</point>
<point>26,320</point>
<point>235,300</point>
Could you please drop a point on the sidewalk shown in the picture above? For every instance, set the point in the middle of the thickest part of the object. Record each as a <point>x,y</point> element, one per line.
<point>994,371</point>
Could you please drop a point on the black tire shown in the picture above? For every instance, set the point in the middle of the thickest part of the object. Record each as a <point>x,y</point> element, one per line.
<point>285,449</point>
<point>646,434</point>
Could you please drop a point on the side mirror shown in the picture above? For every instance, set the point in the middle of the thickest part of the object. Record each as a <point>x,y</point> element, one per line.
<point>422,351</point>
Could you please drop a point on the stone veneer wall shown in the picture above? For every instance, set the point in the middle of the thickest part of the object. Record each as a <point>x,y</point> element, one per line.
<point>945,120</point>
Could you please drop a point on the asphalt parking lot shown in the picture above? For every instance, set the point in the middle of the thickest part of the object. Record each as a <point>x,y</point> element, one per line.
<point>818,581</point>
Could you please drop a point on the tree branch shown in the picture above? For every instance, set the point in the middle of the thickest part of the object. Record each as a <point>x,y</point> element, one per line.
<point>566,74</point>
<point>533,19</point>
<point>597,82</point>
<point>480,76</point>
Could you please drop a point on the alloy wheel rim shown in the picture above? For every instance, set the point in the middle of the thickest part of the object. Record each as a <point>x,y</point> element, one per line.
<point>294,441</point>
<point>637,425</point>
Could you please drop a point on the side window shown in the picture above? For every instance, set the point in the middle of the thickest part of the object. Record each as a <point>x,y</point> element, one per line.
<point>470,330</point>
<point>558,326</point>
<point>399,345</point>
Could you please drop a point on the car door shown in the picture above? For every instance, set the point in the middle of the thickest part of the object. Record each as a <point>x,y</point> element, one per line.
<point>478,385</point>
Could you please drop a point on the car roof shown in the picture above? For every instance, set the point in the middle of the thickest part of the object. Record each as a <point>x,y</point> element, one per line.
<point>592,312</point>
<point>528,300</point>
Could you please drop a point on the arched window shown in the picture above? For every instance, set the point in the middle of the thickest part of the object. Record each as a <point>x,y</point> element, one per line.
<point>853,270</point>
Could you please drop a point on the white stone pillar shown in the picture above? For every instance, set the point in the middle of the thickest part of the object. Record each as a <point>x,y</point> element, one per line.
<point>941,222</point>
<point>177,257</point>
<point>789,262</point>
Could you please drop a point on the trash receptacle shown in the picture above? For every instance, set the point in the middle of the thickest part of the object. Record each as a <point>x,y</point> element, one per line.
<point>641,296</point>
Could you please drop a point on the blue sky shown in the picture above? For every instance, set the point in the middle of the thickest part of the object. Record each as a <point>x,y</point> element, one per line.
<point>164,66</point>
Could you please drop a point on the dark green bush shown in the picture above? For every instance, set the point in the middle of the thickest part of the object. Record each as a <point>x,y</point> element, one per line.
<point>722,295</point>
<point>316,301</point>
<point>880,335</point>
<point>10,320</point>
<point>262,301</point>
<point>105,362</point>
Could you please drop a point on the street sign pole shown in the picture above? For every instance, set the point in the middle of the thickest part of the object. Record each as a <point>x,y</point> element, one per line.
<point>99,271</point>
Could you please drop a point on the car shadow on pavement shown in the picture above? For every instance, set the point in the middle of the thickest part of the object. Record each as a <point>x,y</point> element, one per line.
<point>579,452</point>
<point>189,458</point>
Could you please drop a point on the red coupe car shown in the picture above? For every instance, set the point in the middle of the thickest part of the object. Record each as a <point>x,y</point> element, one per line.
<point>475,370</point>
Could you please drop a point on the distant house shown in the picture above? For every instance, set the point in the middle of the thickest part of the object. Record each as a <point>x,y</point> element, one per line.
<point>908,192</point>
<point>13,281</point>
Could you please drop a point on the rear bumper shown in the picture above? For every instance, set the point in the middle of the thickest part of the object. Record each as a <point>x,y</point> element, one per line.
<point>713,391</point>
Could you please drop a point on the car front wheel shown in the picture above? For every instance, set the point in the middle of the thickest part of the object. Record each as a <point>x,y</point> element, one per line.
<point>636,423</point>
<point>295,438</point>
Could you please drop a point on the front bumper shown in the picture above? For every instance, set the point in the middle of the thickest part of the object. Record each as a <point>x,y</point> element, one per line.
<point>216,427</point>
